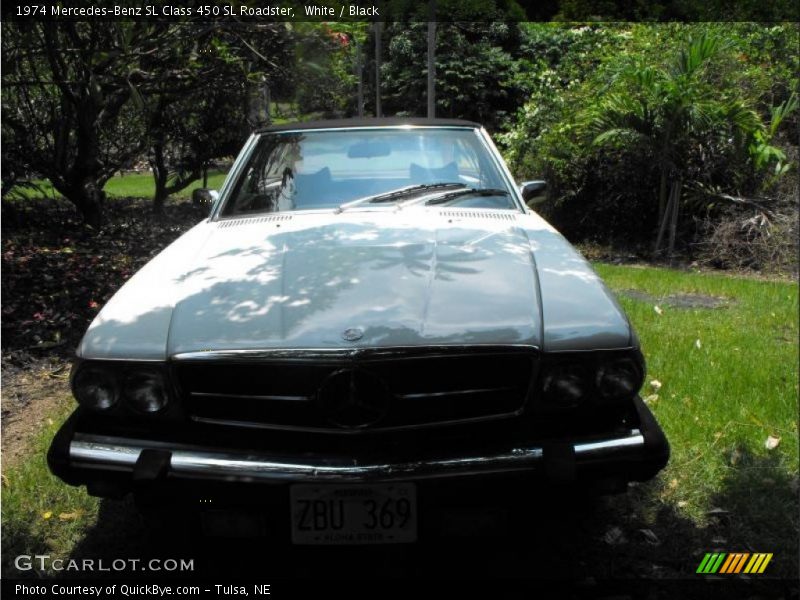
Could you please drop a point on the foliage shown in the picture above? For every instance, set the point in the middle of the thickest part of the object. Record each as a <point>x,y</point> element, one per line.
<point>83,99</point>
<point>478,74</point>
<point>217,103</point>
<point>627,112</point>
<point>67,102</point>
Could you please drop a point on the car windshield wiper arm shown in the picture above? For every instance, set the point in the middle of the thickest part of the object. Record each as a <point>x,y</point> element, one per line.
<point>447,196</point>
<point>399,193</point>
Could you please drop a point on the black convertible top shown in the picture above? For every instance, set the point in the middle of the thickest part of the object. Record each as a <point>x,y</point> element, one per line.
<point>369,122</point>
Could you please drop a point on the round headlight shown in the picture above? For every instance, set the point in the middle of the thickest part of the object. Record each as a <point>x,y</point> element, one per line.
<point>619,379</point>
<point>96,388</point>
<point>566,386</point>
<point>145,391</point>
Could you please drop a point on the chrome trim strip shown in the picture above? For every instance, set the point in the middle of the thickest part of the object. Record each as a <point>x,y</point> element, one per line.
<point>248,396</point>
<point>454,393</point>
<point>388,352</point>
<point>366,127</point>
<point>232,176</point>
<point>119,454</point>
<point>500,163</point>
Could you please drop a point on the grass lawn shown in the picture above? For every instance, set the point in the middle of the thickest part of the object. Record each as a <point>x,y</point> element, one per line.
<point>727,381</point>
<point>130,185</point>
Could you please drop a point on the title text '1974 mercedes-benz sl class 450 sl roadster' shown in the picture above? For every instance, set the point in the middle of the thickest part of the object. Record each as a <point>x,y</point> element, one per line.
<point>370,323</point>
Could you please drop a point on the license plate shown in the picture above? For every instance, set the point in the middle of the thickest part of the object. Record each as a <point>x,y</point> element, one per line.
<point>354,514</point>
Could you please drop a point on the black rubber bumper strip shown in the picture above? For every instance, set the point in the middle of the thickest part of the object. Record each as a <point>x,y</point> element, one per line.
<point>58,453</point>
<point>656,446</point>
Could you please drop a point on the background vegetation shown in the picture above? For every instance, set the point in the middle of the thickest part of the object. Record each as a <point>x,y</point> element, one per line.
<point>657,138</point>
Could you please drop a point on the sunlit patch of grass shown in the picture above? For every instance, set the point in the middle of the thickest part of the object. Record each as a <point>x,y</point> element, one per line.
<point>130,185</point>
<point>728,381</point>
<point>40,514</point>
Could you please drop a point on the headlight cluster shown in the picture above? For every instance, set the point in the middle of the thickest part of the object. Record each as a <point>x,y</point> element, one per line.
<point>104,387</point>
<point>603,381</point>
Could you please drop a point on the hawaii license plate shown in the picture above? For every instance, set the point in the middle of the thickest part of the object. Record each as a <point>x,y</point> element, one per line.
<point>354,514</point>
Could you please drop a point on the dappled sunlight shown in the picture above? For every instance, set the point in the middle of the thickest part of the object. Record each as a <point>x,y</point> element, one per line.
<point>402,279</point>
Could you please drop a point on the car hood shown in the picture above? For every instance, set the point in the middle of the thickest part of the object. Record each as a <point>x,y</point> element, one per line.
<point>397,278</point>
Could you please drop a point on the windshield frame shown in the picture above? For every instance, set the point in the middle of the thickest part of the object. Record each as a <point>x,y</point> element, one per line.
<point>238,170</point>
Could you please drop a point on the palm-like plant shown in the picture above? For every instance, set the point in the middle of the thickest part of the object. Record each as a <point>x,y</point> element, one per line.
<point>665,111</point>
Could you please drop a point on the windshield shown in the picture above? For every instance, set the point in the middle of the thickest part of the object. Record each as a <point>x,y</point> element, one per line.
<point>326,169</point>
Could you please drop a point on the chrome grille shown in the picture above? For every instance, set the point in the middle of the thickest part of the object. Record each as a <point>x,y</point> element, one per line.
<point>285,393</point>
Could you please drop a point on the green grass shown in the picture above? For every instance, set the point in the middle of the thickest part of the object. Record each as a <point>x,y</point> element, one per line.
<point>40,514</point>
<point>131,185</point>
<point>719,402</point>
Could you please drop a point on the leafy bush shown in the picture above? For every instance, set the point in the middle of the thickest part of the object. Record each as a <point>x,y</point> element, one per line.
<point>622,117</point>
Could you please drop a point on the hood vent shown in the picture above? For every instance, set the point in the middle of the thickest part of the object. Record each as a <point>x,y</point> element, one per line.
<point>255,220</point>
<point>478,214</point>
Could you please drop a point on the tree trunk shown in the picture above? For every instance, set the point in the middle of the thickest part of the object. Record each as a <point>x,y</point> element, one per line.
<point>378,30</point>
<point>159,167</point>
<point>662,194</point>
<point>673,225</point>
<point>664,221</point>
<point>431,59</point>
<point>88,197</point>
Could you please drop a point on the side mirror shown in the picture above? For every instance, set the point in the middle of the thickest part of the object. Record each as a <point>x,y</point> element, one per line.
<point>533,192</point>
<point>204,197</point>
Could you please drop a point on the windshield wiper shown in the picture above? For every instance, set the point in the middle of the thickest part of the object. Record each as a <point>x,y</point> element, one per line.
<point>399,193</point>
<point>447,196</point>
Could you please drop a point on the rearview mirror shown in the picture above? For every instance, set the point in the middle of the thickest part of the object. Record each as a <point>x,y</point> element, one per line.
<point>533,192</point>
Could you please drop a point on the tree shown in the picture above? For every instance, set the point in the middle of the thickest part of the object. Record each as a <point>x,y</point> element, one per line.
<point>209,114</point>
<point>476,62</point>
<point>82,99</point>
<point>67,99</point>
<point>667,112</point>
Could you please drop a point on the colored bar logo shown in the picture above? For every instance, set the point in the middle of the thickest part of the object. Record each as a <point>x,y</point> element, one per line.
<point>733,563</point>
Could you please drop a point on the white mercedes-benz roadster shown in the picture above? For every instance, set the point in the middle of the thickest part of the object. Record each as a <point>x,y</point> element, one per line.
<point>370,324</point>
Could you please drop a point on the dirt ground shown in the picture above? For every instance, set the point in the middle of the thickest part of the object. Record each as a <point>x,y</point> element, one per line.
<point>31,395</point>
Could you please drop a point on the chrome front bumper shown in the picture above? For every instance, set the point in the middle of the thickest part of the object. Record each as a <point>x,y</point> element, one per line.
<point>104,453</point>
<point>82,458</point>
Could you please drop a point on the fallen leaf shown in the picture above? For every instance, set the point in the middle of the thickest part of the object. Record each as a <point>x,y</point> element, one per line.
<point>614,537</point>
<point>68,516</point>
<point>772,442</point>
<point>652,398</point>
<point>655,384</point>
<point>658,310</point>
<point>673,483</point>
<point>650,537</point>
<point>47,515</point>
<point>682,503</point>
<point>697,344</point>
